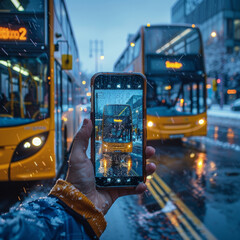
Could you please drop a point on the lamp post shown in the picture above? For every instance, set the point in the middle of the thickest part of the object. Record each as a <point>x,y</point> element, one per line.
<point>98,47</point>
<point>220,77</point>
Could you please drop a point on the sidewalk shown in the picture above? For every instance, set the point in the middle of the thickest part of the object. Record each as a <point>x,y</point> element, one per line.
<point>224,117</point>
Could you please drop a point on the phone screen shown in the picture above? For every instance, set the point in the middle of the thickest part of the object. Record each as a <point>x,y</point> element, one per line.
<point>119,129</point>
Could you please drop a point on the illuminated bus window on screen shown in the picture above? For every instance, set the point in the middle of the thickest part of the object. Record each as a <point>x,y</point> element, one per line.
<point>118,129</point>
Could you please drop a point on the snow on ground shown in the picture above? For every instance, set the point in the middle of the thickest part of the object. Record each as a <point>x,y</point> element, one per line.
<point>223,117</point>
<point>225,112</point>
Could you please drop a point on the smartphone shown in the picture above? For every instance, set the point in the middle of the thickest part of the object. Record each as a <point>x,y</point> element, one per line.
<point>118,142</point>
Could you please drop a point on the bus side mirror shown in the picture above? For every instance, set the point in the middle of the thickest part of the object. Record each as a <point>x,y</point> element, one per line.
<point>67,62</point>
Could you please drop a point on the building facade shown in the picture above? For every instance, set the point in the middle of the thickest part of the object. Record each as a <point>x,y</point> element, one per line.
<point>219,22</point>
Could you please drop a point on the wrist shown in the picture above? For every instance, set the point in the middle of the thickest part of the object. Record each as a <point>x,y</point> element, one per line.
<point>81,204</point>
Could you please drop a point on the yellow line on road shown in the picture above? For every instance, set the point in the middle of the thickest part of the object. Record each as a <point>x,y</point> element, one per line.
<point>170,216</point>
<point>198,224</point>
<point>178,214</point>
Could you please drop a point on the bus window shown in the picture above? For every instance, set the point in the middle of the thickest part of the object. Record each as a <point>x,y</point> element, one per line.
<point>64,91</point>
<point>25,88</point>
<point>137,48</point>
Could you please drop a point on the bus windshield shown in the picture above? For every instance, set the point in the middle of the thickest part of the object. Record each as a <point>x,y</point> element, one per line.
<point>117,124</point>
<point>172,40</point>
<point>24,90</point>
<point>175,96</point>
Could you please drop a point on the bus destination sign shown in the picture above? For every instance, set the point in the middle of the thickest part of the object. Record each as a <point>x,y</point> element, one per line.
<point>8,34</point>
<point>22,30</point>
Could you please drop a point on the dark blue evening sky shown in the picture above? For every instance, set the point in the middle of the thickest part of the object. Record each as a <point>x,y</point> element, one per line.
<point>112,21</point>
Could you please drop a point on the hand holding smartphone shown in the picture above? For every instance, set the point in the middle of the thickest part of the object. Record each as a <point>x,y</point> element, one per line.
<point>118,139</point>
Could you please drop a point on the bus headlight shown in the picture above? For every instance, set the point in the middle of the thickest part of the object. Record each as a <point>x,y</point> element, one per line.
<point>29,146</point>
<point>201,121</point>
<point>37,141</point>
<point>150,124</point>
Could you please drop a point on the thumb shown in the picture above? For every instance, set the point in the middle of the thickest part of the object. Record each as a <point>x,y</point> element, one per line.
<point>80,142</point>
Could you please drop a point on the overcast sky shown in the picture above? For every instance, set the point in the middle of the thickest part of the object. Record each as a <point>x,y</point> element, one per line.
<point>112,21</point>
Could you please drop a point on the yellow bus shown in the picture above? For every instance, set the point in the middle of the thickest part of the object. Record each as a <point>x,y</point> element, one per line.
<point>171,57</point>
<point>117,128</point>
<point>38,88</point>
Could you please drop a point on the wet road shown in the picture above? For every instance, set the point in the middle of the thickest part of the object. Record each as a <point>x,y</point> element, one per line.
<point>119,164</point>
<point>201,178</point>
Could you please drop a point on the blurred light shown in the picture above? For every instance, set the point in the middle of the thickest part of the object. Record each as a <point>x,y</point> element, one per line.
<point>148,24</point>
<point>168,87</point>
<point>21,70</point>
<point>150,124</point>
<point>209,86</point>
<point>104,163</point>
<point>83,82</point>
<point>231,91</point>
<point>200,162</point>
<point>128,86</point>
<point>27,145</point>
<point>213,34</point>
<point>81,109</point>
<point>102,57</point>
<point>218,80</point>
<point>129,163</point>
<point>132,44</point>
<point>37,141</point>
<point>70,109</point>
<point>119,86</point>
<point>129,145</point>
<point>181,102</point>
<point>192,155</point>
<point>17,5</point>
<point>89,94</point>
<point>20,9</point>
<point>85,109</point>
<point>136,111</point>
<point>201,121</point>
<point>5,63</point>
<point>193,25</point>
<point>65,119</point>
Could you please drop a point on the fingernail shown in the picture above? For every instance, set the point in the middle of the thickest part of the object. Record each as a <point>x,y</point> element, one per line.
<point>85,122</point>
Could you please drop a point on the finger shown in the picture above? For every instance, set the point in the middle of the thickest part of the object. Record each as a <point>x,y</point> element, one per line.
<point>81,140</point>
<point>150,168</point>
<point>141,188</point>
<point>150,151</point>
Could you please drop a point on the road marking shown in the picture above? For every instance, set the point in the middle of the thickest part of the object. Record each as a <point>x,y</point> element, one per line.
<point>177,213</point>
<point>195,221</point>
<point>170,216</point>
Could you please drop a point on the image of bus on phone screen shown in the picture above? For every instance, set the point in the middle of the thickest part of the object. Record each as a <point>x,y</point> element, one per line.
<point>118,142</point>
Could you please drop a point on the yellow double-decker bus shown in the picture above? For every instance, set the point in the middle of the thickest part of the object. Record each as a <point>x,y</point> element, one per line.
<point>172,58</point>
<point>39,89</point>
<point>117,128</point>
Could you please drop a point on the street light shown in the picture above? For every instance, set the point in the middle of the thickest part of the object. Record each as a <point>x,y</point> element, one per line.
<point>213,34</point>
